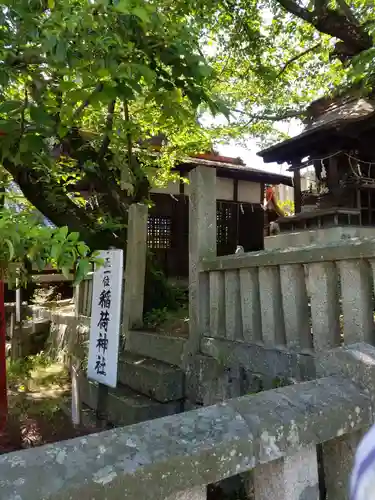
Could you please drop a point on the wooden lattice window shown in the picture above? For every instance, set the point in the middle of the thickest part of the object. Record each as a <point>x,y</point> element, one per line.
<point>223,221</point>
<point>159,232</point>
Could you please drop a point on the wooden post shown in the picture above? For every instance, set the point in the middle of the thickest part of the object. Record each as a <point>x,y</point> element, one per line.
<point>135,269</point>
<point>76,399</point>
<point>297,192</point>
<point>16,351</point>
<point>3,374</point>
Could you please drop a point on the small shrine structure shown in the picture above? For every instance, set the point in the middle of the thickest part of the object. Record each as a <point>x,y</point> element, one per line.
<point>337,143</point>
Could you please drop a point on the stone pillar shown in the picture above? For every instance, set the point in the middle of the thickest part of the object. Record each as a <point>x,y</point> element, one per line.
<point>294,477</point>
<point>325,310</point>
<point>198,493</point>
<point>135,268</point>
<point>357,306</point>
<point>202,243</point>
<point>355,363</point>
<point>250,305</point>
<point>295,306</point>
<point>233,317</point>
<point>273,327</point>
<point>217,304</point>
<point>338,460</point>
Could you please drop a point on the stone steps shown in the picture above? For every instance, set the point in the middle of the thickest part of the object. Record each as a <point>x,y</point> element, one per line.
<point>150,377</point>
<point>126,406</point>
<point>163,348</point>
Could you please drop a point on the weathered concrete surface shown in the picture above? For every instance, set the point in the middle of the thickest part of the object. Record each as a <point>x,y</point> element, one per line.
<point>267,361</point>
<point>126,407</point>
<point>356,362</point>
<point>250,305</point>
<point>338,460</point>
<point>161,347</point>
<point>294,477</point>
<point>295,307</point>
<point>202,243</point>
<point>157,459</point>
<point>135,268</point>
<point>150,377</point>
<point>324,302</point>
<point>344,250</point>
<point>199,493</point>
<point>321,236</point>
<point>272,317</point>
<point>357,301</point>
<point>233,317</point>
<point>68,335</point>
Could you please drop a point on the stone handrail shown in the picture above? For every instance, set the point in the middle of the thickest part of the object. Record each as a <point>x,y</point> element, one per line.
<point>274,433</point>
<point>354,248</point>
<point>306,299</point>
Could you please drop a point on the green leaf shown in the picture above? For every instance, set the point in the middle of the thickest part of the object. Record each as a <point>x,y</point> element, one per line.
<point>122,6</point>
<point>103,72</point>
<point>55,251</point>
<point>83,268</point>
<point>61,50</point>
<point>73,237</point>
<point>40,115</point>
<point>63,232</point>
<point>10,106</point>
<point>4,78</point>
<point>82,249</point>
<point>11,248</point>
<point>31,143</point>
<point>51,4</point>
<point>66,271</point>
<point>141,13</point>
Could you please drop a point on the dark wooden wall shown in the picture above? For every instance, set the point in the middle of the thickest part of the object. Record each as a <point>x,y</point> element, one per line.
<point>168,230</point>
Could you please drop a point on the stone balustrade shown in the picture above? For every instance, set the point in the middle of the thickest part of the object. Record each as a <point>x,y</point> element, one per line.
<point>274,434</point>
<point>303,299</point>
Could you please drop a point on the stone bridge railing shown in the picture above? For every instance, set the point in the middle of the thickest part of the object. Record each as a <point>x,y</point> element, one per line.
<point>274,434</point>
<point>307,299</point>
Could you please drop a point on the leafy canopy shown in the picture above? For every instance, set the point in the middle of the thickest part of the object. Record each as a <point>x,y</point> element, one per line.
<point>26,244</point>
<point>84,84</point>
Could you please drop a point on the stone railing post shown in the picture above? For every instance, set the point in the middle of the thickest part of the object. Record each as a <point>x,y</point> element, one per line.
<point>294,477</point>
<point>135,267</point>
<point>295,307</point>
<point>202,243</point>
<point>357,363</point>
<point>325,310</point>
<point>273,327</point>
<point>199,493</point>
<point>357,305</point>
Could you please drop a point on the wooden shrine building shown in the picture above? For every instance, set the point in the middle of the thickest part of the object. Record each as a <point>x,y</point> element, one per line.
<point>338,143</point>
<point>240,214</point>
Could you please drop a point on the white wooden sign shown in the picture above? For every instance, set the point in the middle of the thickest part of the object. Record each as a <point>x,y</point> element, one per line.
<point>105,319</point>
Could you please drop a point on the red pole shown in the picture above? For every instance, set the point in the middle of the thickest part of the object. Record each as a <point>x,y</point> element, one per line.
<point>3,370</point>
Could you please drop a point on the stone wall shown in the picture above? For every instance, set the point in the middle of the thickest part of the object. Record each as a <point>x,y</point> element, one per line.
<point>274,434</point>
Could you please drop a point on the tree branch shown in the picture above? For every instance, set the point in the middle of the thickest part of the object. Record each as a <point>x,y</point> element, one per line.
<point>23,118</point>
<point>272,118</point>
<point>333,23</point>
<point>108,128</point>
<point>292,7</point>
<point>348,12</point>
<point>54,203</point>
<point>128,136</point>
<point>296,57</point>
<point>84,105</point>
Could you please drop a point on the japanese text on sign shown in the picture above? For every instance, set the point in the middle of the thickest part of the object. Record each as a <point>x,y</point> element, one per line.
<point>105,319</point>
